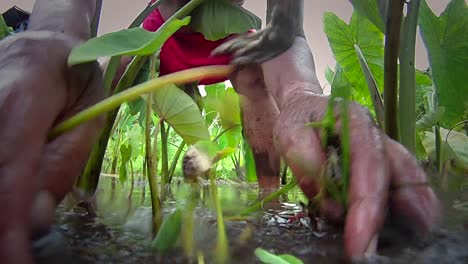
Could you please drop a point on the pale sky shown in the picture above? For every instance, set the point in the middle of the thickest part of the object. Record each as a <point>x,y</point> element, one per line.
<point>118,14</point>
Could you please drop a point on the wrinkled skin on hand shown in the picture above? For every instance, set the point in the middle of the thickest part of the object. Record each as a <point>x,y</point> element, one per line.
<point>384,175</point>
<point>38,90</point>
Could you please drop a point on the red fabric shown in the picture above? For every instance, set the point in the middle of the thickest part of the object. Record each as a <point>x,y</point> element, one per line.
<point>186,50</point>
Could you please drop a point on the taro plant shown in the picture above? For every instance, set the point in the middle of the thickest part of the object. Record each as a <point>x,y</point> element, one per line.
<point>161,95</point>
<point>369,66</point>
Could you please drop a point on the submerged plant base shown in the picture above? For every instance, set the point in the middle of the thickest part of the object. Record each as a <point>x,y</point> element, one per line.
<point>120,233</point>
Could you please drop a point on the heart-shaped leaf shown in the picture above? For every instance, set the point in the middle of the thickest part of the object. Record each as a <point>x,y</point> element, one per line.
<point>180,111</point>
<point>365,35</point>
<point>446,40</point>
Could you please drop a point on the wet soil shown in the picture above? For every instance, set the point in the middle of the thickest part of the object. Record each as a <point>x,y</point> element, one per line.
<point>121,231</point>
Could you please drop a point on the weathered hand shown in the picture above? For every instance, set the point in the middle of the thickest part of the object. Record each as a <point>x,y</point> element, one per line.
<point>383,174</point>
<point>263,45</point>
<point>38,90</point>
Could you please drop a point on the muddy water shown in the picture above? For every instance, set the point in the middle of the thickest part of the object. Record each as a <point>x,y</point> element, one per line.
<point>121,231</point>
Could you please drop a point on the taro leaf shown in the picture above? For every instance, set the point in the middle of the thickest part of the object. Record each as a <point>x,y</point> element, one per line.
<point>211,101</point>
<point>209,148</point>
<point>217,19</point>
<point>430,119</point>
<point>135,138</point>
<point>423,79</point>
<point>340,85</point>
<point>169,232</point>
<point>374,10</point>
<point>181,112</point>
<point>213,151</point>
<point>138,106</point>
<point>424,86</point>
<point>368,38</point>
<point>224,153</point>
<point>134,41</point>
<point>446,40</point>
<point>231,138</point>
<point>269,258</point>
<point>456,148</point>
<point>223,101</point>
<point>126,154</point>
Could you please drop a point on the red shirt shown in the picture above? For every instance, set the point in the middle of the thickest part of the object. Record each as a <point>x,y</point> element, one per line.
<point>186,50</point>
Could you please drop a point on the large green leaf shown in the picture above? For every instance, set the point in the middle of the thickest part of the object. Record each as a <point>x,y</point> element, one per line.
<point>373,10</point>
<point>224,102</point>
<point>134,41</point>
<point>446,40</point>
<point>430,119</point>
<point>455,148</point>
<point>217,19</point>
<point>368,38</point>
<point>179,110</point>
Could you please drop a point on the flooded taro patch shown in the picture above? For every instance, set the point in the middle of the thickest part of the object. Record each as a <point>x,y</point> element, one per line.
<point>121,230</point>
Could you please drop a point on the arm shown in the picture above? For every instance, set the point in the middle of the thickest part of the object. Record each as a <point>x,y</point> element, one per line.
<point>37,90</point>
<point>73,18</point>
<point>291,12</point>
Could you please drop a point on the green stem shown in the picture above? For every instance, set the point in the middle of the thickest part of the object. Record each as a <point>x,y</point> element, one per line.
<point>392,42</point>
<point>155,202</point>
<point>224,131</point>
<point>453,128</point>
<point>373,88</point>
<point>222,242</point>
<point>132,183</point>
<point>345,149</point>
<point>257,206</point>
<point>407,98</point>
<point>164,157</point>
<point>175,160</point>
<point>116,100</point>
<point>96,18</point>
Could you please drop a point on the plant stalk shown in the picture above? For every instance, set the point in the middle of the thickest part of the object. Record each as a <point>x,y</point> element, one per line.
<point>221,253</point>
<point>258,205</point>
<point>164,156</point>
<point>97,16</point>
<point>373,88</point>
<point>182,77</point>
<point>407,98</point>
<point>175,160</point>
<point>392,43</point>
<point>153,182</point>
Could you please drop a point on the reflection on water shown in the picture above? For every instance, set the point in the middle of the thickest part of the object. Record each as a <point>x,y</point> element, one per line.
<point>121,232</point>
